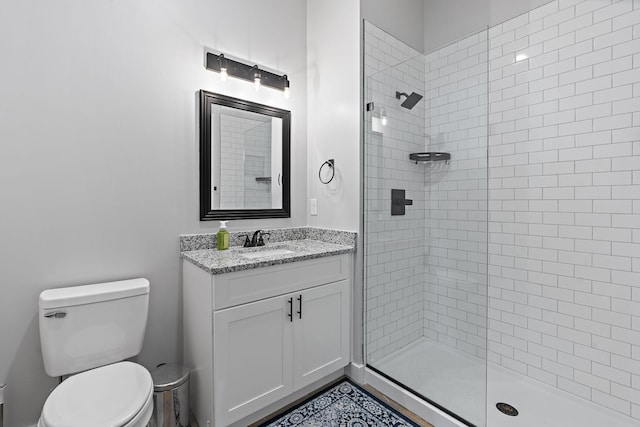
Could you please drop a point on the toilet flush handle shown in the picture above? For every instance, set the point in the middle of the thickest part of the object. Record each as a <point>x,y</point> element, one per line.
<point>56,315</point>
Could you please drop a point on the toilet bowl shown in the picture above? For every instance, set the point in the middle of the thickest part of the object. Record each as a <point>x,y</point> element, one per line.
<point>119,395</point>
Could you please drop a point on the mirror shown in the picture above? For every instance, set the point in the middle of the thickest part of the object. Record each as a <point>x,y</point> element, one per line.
<point>244,159</point>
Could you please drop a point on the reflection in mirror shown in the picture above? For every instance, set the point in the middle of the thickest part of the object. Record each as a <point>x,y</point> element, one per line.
<point>249,170</point>
<point>244,159</point>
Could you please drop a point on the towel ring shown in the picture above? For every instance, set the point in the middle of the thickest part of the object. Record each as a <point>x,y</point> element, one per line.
<point>331,164</point>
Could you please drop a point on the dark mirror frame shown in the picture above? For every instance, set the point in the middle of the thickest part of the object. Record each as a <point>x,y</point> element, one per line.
<point>206,212</point>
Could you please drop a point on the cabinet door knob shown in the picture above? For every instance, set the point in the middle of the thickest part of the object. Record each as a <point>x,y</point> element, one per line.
<point>300,307</point>
<point>290,309</point>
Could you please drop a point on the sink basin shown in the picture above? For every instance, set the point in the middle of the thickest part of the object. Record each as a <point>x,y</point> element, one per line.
<point>265,253</point>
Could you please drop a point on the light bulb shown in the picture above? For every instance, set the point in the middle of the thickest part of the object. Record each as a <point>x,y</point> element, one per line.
<point>287,92</point>
<point>256,78</point>
<point>223,68</point>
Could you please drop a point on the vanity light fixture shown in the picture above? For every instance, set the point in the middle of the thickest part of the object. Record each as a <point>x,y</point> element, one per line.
<point>251,73</point>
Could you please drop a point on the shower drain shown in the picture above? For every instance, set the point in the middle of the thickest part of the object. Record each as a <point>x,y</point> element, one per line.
<point>507,409</point>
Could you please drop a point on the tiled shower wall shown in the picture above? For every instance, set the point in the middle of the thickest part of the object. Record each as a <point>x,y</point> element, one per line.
<point>564,206</point>
<point>394,268</point>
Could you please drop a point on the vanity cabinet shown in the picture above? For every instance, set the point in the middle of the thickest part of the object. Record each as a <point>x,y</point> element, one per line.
<point>253,337</point>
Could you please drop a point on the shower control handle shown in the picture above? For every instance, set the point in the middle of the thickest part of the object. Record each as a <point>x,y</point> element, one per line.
<point>398,202</point>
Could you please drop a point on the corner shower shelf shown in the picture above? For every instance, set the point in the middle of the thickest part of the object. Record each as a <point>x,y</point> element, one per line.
<point>431,156</point>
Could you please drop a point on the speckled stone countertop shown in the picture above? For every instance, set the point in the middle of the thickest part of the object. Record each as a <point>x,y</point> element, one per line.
<point>304,243</point>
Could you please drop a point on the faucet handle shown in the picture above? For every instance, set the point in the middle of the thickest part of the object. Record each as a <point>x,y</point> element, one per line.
<point>247,242</point>
<point>256,238</point>
<point>261,239</point>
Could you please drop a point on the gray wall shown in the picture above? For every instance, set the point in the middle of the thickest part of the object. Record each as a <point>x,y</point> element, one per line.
<point>402,18</point>
<point>99,151</point>
<point>446,21</point>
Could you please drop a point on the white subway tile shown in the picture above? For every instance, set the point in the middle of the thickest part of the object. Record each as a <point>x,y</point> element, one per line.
<point>616,9</point>
<point>525,30</point>
<point>626,78</point>
<point>583,126</point>
<point>590,5</point>
<point>614,38</point>
<point>594,138</point>
<point>578,75</point>
<point>627,48</point>
<point>614,66</point>
<point>613,150</point>
<point>612,122</point>
<point>612,178</point>
<point>577,49</point>
<point>594,111</point>
<point>597,165</point>
<point>594,85</point>
<point>575,154</point>
<point>576,23</point>
<point>609,95</point>
<point>593,58</point>
<point>594,30</point>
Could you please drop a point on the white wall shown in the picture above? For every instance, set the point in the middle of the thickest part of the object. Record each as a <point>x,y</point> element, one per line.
<point>402,18</point>
<point>446,21</point>
<point>99,152</point>
<point>333,37</point>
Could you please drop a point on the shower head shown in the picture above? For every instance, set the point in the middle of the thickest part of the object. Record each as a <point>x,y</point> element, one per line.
<point>411,100</point>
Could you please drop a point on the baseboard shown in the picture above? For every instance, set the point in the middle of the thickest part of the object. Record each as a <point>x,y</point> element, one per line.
<point>356,372</point>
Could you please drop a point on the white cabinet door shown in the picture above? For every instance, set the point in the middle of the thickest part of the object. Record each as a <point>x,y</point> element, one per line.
<point>322,328</point>
<point>252,358</point>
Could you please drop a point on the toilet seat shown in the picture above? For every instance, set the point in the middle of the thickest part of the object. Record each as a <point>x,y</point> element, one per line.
<point>114,395</point>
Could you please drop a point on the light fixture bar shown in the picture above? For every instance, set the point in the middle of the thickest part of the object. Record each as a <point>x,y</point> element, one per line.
<point>246,72</point>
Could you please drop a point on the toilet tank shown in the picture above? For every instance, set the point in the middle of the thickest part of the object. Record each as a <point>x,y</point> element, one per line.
<point>83,327</point>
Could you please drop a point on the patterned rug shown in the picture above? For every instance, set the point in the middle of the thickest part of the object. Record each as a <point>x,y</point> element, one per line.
<point>342,405</point>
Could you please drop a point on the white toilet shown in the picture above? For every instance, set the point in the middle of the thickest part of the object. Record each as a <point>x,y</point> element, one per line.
<point>89,331</point>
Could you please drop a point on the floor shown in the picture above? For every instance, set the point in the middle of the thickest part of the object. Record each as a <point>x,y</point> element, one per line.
<point>457,381</point>
<point>370,389</point>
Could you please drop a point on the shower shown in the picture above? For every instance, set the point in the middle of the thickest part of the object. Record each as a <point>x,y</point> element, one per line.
<point>506,289</point>
<point>411,100</point>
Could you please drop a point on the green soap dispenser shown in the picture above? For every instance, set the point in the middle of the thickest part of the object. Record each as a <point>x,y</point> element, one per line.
<point>222,237</point>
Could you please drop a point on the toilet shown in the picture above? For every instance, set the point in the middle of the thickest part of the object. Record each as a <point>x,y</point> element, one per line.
<point>86,333</point>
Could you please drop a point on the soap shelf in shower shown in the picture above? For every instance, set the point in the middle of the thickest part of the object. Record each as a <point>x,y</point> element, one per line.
<point>430,156</point>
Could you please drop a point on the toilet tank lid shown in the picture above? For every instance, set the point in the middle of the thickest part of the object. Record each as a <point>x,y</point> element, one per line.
<point>87,294</point>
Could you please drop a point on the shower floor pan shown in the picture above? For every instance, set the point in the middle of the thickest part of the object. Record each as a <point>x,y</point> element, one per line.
<point>456,380</point>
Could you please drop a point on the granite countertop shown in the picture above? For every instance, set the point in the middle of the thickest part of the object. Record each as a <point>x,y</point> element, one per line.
<point>230,260</point>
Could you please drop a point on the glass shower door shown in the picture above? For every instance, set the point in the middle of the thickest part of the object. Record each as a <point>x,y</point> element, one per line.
<point>426,269</point>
